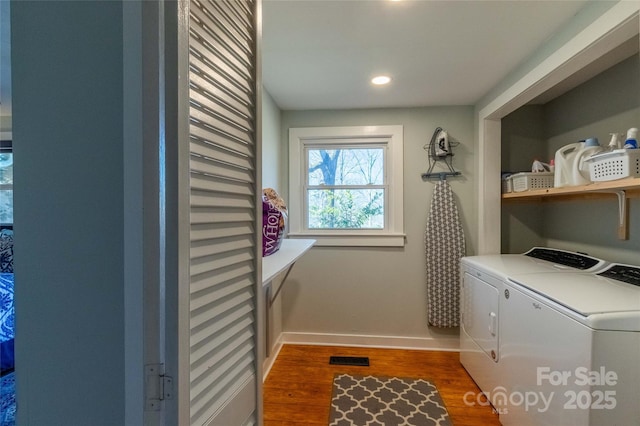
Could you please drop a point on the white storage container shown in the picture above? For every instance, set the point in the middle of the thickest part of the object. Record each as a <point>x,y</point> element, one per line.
<point>616,164</point>
<point>526,181</point>
<point>507,185</point>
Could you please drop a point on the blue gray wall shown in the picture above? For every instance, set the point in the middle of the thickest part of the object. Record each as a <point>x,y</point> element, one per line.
<point>68,142</point>
<point>609,102</point>
<point>377,292</point>
<point>587,15</point>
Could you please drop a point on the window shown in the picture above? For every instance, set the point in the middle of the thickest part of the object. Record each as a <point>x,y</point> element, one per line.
<point>345,185</point>
<point>6,183</point>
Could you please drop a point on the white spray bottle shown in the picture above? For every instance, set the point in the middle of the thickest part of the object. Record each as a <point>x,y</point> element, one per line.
<point>614,143</point>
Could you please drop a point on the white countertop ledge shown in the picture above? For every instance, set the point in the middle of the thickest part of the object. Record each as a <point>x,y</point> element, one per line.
<point>290,251</point>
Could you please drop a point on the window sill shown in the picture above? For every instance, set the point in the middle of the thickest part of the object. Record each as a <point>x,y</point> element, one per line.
<point>353,239</point>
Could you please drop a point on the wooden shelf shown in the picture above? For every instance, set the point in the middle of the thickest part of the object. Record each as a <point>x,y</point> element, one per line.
<point>631,186</point>
<point>623,189</point>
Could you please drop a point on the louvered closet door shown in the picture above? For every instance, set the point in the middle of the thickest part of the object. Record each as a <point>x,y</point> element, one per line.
<point>223,221</point>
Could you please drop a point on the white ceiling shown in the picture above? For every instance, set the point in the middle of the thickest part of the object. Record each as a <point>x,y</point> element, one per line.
<point>321,54</point>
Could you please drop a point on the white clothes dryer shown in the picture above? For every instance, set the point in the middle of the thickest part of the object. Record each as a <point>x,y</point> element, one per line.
<point>483,280</point>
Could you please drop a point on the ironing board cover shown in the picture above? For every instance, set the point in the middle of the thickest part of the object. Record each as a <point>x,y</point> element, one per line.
<point>444,246</point>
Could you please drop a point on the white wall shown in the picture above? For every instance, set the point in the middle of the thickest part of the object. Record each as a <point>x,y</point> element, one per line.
<point>271,133</point>
<point>5,127</point>
<point>378,295</point>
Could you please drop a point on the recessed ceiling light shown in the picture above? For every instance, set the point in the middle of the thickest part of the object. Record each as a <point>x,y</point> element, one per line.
<point>381,79</point>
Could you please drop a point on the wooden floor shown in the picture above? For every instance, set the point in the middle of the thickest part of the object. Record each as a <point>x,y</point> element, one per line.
<point>298,388</point>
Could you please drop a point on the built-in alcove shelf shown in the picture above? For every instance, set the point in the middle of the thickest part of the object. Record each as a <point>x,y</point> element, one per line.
<point>623,189</point>
<point>631,186</point>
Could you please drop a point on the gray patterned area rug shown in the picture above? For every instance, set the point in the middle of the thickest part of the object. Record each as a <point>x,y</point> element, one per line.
<point>385,401</point>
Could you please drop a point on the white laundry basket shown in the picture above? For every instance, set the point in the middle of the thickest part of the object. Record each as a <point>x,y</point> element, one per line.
<point>507,184</point>
<point>616,164</point>
<point>526,181</point>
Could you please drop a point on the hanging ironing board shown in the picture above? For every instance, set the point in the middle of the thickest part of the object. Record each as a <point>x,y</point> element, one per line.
<point>444,246</point>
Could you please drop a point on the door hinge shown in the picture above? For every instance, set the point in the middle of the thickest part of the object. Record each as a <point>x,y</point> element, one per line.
<point>158,386</point>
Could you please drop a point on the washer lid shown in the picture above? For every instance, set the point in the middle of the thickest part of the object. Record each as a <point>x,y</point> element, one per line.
<point>536,260</point>
<point>604,303</point>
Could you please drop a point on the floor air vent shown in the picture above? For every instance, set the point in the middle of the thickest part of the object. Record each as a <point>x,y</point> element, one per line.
<point>349,360</point>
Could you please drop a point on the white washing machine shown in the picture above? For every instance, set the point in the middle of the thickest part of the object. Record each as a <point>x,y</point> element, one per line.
<point>483,281</point>
<point>570,348</point>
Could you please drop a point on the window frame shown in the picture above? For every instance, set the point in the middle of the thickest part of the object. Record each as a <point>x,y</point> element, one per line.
<point>392,138</point>
<point>344,144</point>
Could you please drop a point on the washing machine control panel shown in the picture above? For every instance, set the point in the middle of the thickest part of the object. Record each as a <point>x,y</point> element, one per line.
<point>625,273</point>
<point>566,258</point>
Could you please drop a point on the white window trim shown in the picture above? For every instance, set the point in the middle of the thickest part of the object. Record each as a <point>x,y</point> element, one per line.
<point>393,235</point>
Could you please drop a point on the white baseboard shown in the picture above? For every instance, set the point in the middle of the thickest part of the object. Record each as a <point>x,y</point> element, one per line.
<point>390,342</point>
<point>268,362</point>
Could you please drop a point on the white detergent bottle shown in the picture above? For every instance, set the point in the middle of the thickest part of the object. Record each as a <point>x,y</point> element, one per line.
<point>580,167</point>
<point>632,138</point>
<point>563,161</point>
